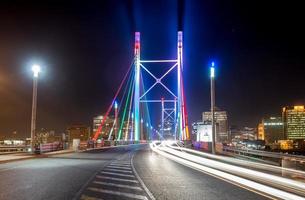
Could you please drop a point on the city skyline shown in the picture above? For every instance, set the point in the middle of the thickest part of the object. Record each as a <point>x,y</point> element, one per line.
<point>73,44</point>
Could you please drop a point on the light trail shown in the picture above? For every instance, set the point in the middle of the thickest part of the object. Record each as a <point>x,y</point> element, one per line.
<point>246,163</point>
<point>237,175</point>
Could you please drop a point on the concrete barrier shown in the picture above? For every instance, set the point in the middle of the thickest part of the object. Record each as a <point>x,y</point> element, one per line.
<point>55,146</point>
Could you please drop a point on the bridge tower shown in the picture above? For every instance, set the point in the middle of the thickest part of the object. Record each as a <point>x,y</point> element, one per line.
<point>178,110</point>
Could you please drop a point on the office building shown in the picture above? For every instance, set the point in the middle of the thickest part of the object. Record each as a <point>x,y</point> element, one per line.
<point>221,119</point>
<point>78,131</point>
<point>108,126</point>
<point>294,122</point>
<point>273,129</point>
<point>248,133</point>
<point>260,132</point>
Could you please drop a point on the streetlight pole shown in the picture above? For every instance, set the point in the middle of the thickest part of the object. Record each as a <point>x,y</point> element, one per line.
<point>212,76</point>
<point>36,70</point>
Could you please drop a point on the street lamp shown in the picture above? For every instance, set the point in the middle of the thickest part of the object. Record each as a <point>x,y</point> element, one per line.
<point>36,70</point>
<point>212,76</point>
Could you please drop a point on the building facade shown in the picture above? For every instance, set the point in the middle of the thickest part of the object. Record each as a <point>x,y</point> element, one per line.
<point>78,131</point>
<point>273,129</point>
<point>221,119</point>
<point>294,122</point>
<point>107,128</point>
<point>260,132</point>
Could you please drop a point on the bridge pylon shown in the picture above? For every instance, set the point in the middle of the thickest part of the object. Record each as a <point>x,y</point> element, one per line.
<point>178,111</point>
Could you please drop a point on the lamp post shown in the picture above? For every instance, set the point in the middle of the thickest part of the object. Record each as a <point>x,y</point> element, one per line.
<point>212,76</point>
<point>36,70</point>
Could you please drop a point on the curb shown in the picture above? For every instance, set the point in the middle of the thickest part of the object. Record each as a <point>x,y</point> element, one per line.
<point>44,155</point>
<point>17,159</point>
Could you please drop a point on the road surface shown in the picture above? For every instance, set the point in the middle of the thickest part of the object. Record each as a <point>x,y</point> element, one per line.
<point>131,172</point>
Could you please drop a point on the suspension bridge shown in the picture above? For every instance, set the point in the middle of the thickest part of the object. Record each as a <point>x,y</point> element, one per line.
<point>150,105</point>
<point>132,102</point>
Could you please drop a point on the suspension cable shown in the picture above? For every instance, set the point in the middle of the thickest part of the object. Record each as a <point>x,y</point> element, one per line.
<point>99,130</point>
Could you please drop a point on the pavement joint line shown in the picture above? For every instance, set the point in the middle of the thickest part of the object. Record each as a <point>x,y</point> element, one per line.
<point>118,174</point>
<point>117,170</point>
<point>151,196</point>
<point>118,185</point>
<point>124,194</point>
<point>116,179</point>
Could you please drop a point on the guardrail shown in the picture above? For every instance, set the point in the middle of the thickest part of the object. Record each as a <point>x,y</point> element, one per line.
<point>263,153</point>
<point>13,149</point>
<point>55,146</point>
<point>107,143</point>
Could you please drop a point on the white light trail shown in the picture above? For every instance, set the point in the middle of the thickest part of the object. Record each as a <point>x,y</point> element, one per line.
<point>241,162</point>
<point>209,166</point>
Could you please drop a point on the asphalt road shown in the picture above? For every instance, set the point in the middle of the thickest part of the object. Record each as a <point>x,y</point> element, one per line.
<point>132,172</point>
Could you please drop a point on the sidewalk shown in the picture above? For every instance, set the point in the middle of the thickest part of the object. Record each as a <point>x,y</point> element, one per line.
<point>59,152</point>
<point>23,156</point>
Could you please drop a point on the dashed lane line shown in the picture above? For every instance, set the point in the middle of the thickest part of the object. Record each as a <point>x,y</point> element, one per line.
<point>115,167</point>
<point>117,179</point>
<point>116,163</point>
<point>118,170</point>
<point>118,185</point>
<point>118,174</point>
<point>124,194</point>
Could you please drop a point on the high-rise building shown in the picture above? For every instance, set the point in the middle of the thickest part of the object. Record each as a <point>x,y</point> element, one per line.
<point>273,129</point>
<point>294,122</point>
<point>108,126</point>
<point>78,131</point>
<point>221,119</point>
<point>248,133</point>
<point>260,132</point>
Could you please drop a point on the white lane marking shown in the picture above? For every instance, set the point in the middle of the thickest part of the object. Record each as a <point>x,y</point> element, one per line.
<point>117,170</point>
<point>120,164</point>
<point>118,185</point>
<point>118,174</point>
<point>117,179</point>
<point>124,194</point>
<point>127,166</point>
<point>151,196</point>
<point>85,197</point>
<point>115,167</point>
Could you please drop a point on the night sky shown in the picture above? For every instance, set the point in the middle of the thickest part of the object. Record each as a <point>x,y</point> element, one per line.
<point>85,48</point>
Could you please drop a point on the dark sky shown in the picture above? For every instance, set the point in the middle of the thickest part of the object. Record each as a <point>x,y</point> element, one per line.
<point>86,47</point>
